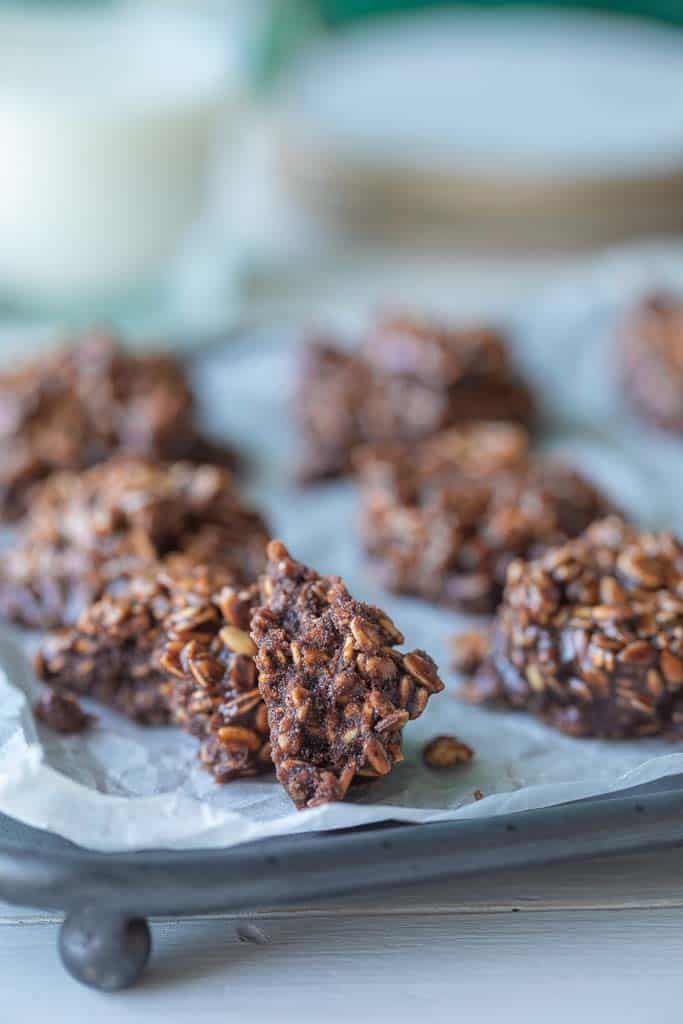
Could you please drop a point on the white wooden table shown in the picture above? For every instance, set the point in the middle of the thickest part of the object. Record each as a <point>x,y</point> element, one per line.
<point>599,941</point>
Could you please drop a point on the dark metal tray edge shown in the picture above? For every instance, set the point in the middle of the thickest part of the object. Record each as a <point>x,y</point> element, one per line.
<point>288,869</point>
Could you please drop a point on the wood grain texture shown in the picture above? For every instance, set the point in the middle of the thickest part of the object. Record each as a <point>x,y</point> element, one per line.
<point>594,965</point>
<point>599,940</point>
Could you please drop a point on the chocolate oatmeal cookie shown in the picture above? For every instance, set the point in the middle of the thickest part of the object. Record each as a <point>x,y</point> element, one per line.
<point>173,649</point>
<point>87,532</point>
<point>113,653</point>
<point>444,519</point>
<point>214,694</point>
<point>409,379</point>
<point>337,691</point>
<point>75,407</point>
<point>328,408</point>
<point>651,354</point>
<point>590,636</point>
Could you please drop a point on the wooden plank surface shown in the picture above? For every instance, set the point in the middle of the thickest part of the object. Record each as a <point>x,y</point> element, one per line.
<point>595,965</point>
<point>600,940</point>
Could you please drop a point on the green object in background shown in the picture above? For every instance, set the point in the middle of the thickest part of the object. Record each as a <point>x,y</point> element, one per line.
<point>291,25</point>
<point>338,11</point>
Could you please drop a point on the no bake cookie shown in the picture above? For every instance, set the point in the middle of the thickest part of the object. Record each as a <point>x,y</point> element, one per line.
<point>409,379</point>
<point>174,649</point>
<point>77,406</point>
<point>87,532</point>
<point>337,691</point>
<point>443,519</point>
<point>590,636</point>
<point>651,360</point>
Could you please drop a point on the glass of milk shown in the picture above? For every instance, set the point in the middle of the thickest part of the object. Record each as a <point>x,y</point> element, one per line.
<point>110,124</point>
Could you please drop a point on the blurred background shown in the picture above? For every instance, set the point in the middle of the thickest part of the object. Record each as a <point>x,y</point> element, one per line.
<point>184,166</point>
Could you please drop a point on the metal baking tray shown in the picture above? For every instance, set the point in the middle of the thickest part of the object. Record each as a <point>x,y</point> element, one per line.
<point>104,940</point>
<point>107,898</point>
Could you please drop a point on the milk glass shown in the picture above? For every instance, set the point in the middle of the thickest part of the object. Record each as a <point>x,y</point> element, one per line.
<point>112,122</point>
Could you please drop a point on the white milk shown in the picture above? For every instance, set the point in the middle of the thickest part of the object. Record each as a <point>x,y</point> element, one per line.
<point>108,125</point>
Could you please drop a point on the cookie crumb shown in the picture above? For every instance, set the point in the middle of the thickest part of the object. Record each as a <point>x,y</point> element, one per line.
<point>446,752</point>
<point>62,713</point>
<point>470,650</point>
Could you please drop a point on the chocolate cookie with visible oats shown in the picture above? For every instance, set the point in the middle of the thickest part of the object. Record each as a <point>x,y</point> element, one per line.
<point>214,691</point>
<point>337,691</point>
<point>409,379</point>
<point>173,649</point>
<point>89,531</point>
<point>77,406</point>
<point>328,407</point>
<point>651,360</point>
<point>443,519</point>
<point>590,636</point>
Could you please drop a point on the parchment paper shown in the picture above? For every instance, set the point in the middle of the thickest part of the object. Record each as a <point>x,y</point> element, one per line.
<point>121,787</point>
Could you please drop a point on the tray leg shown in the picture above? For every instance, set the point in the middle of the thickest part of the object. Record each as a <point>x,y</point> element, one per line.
<point>105,950</point>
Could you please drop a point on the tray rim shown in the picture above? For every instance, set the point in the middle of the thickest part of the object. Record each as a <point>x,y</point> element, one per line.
<point>290,869</point>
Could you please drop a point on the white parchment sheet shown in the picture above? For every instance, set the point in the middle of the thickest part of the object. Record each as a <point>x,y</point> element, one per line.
<point>121,787</point>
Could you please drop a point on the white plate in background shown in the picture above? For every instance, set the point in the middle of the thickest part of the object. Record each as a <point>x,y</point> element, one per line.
<point>580,93</point>
<point>497,112</point>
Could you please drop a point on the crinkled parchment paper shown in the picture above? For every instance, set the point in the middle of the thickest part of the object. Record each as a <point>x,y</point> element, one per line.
<point>122,787</point>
